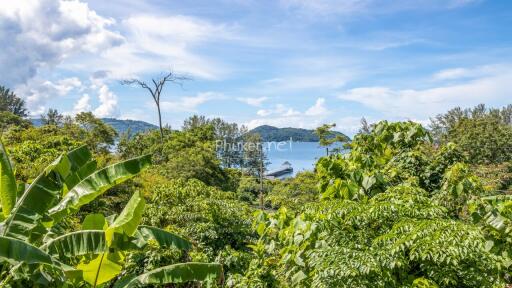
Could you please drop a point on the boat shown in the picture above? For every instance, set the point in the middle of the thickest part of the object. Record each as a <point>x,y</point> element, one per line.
<point>286,168</point>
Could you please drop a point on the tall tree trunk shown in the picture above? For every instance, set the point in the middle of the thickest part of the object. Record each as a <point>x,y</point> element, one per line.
<point>160,123</point>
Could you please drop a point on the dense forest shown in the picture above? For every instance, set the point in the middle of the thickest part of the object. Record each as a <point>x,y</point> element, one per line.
<point>407,206</point>
<point>271,133</point>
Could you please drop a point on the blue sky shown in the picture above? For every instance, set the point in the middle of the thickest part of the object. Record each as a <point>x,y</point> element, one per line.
<point>285,63</point>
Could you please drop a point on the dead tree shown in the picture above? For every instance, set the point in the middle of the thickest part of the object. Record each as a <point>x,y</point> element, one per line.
<point>155,89</point>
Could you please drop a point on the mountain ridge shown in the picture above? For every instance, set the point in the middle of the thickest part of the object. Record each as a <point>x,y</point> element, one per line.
<point>270,133</point>
<point>121,126</point>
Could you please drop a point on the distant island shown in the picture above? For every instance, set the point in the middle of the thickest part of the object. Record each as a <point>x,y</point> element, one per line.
<point>271,133</point>
<point>121,126</point>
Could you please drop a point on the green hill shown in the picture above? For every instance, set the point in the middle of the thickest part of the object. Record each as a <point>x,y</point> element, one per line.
<point>271,133</point>
<point>135,126</point>
<point>121,126</point>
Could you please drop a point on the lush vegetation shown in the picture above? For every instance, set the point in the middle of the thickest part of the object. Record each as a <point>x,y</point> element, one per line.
<point>131,127</point>
<point>270,133</point>
<point>407,206</point>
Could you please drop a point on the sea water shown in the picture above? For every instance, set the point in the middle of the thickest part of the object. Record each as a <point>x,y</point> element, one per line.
<point>301,155</point>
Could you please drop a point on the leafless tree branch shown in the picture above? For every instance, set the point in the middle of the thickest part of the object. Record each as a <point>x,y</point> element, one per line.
<point>156,89</point>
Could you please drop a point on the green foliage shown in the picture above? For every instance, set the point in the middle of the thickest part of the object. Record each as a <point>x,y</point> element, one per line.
<point>8,120</point>
<point>213,218</point>
<point>294,193</point>
<point>326,137</point>
<point>483,134</point>
<point>34,148</point>
<point>99,136</point>
<point>9,102</point>
<point>459,186</point>
<point>8,187</point>
<point>227,136</point>
<point>52,117</point>
<point>393,240</point>
<point>30,238</point>
<point>274,134</point>
<point>184,155</point>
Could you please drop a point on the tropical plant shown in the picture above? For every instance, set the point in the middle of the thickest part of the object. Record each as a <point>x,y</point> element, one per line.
<point>400,238</point>
<point>32,239</point>
<point>9,102</point>
<point>483,134</point>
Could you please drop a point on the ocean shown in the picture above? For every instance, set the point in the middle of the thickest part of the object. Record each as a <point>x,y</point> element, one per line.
<point>301,155</point>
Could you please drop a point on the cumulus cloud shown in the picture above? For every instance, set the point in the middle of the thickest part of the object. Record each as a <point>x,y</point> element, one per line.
<point>190,103</point>
<point>256,101</point>
<point>420,104</point>
<point>318,109</point>
<point>108,103</point>
<point>39,92</point>
<point>280,110</point>
<point>82,105</point>
<point>41,33</point>
<point>283,116</point>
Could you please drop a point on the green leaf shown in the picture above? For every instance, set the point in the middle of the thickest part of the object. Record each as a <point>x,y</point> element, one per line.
<point>82,173</point>
<point>76,244</point>
<point>94,222</point>
<point>127,222</point>
<point>164,238</point>
<point>25,221</point>
<point>16,251</point>
<point>96,184</point>
<point>100,270</point>
<point>177,273</point>
<point>8,188</point>
<point>368,182</point>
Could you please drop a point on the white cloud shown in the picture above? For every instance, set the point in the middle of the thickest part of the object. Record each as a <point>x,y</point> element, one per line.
<point>280,110</point>
<point>41,33</point>
<point>292,83</point>
<point>419,105</point>
<point>356,7</point>
<point>318,109</point>
<point>155,43</point>
<point>39,92</point>
<point>189,104</point>
<point>82,105</point>
<point>283,116</point>
<point>108,103</point>
<point>256,101</point>
<point>473,72</point>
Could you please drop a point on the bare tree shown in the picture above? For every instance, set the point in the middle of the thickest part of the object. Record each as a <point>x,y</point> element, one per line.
<point>155,89</point>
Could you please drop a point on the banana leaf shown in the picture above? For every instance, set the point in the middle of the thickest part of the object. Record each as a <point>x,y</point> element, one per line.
<point>8,189</point>
<point>28,218</point>
<point>85,242</point>
<point>96,184</point>
<point>177,273</point>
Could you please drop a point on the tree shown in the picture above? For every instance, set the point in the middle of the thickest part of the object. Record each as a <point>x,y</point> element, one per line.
<point>483,134</point>
<point>11,103</point>
<point>99,136</point>
<point>228,136</point>
<point>326,136</point>
<point>8,119</point>
<point>365,127</point>
<point>95,254</point>
<point>52,117</point>
<point>155,89</point>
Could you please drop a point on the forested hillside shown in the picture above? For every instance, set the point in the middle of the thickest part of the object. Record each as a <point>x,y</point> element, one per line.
<point>121,126</point>
<point>271,133</point>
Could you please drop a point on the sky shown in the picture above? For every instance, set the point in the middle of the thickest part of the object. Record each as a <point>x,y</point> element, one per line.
<point>286,63</point>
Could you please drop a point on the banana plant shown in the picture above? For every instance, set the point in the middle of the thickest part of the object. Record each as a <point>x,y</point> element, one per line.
<point>95,254</point>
